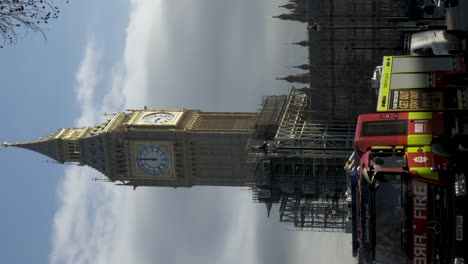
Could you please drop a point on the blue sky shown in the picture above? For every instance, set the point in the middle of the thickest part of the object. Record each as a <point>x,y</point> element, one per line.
<point>107,56</point>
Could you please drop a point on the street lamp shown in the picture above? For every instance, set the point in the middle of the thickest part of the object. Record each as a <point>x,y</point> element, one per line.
<point>315,27</point>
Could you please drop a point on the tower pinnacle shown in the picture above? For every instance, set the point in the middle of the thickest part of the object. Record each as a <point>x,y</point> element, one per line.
<point>50,146</point>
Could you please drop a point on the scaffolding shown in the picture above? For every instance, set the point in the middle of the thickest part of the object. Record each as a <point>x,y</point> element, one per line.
<point>298,130</point>
<point>298,161</point>
<point>309,175</point>
<point>314,213</point>
<point>266,122</point>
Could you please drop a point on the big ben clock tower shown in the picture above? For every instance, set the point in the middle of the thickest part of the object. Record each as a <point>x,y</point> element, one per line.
<point>178,148</point>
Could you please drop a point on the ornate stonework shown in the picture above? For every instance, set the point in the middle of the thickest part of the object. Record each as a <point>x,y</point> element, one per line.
<point>178,148</point>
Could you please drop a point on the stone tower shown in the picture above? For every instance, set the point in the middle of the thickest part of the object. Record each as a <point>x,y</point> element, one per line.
<point>178,148</point>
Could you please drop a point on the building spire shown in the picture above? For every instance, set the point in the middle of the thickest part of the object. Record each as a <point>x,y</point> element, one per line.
<point>304,66</point>
<point>77,146</point>
<point>63,146</point>
<point>299,78</point>
<point>303,43</point>
<point>48,146</point>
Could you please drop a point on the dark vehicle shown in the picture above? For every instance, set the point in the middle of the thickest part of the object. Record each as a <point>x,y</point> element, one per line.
<point>408,202</point>
<point>402,220</point>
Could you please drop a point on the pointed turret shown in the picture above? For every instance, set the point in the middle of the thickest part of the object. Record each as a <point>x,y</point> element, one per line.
<point>268,207</point>
<point>48,146</point>
<point>304,66</point>
<point>62,146</point>
<point>288,6</point>
<point>303,43</point>
<point>298,78</point>
<point>83,146</point>
<point>293,17</point>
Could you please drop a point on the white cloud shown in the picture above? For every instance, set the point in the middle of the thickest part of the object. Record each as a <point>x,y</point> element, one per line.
<point>241,235</point>
<point>144,14</point>
<point>86,79</point>
<point>83,220</point>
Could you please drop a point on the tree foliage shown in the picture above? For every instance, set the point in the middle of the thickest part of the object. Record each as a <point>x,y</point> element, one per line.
<point>18,17</point>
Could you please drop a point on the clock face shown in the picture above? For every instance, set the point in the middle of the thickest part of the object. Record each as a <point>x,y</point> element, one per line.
<point>153,159</point>
<point>158,118</point>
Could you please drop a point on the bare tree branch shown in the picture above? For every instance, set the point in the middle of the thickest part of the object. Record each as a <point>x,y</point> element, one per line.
<point>19,17</point>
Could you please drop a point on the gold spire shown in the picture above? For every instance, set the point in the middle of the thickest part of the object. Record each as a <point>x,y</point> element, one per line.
<point>48,146</point>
